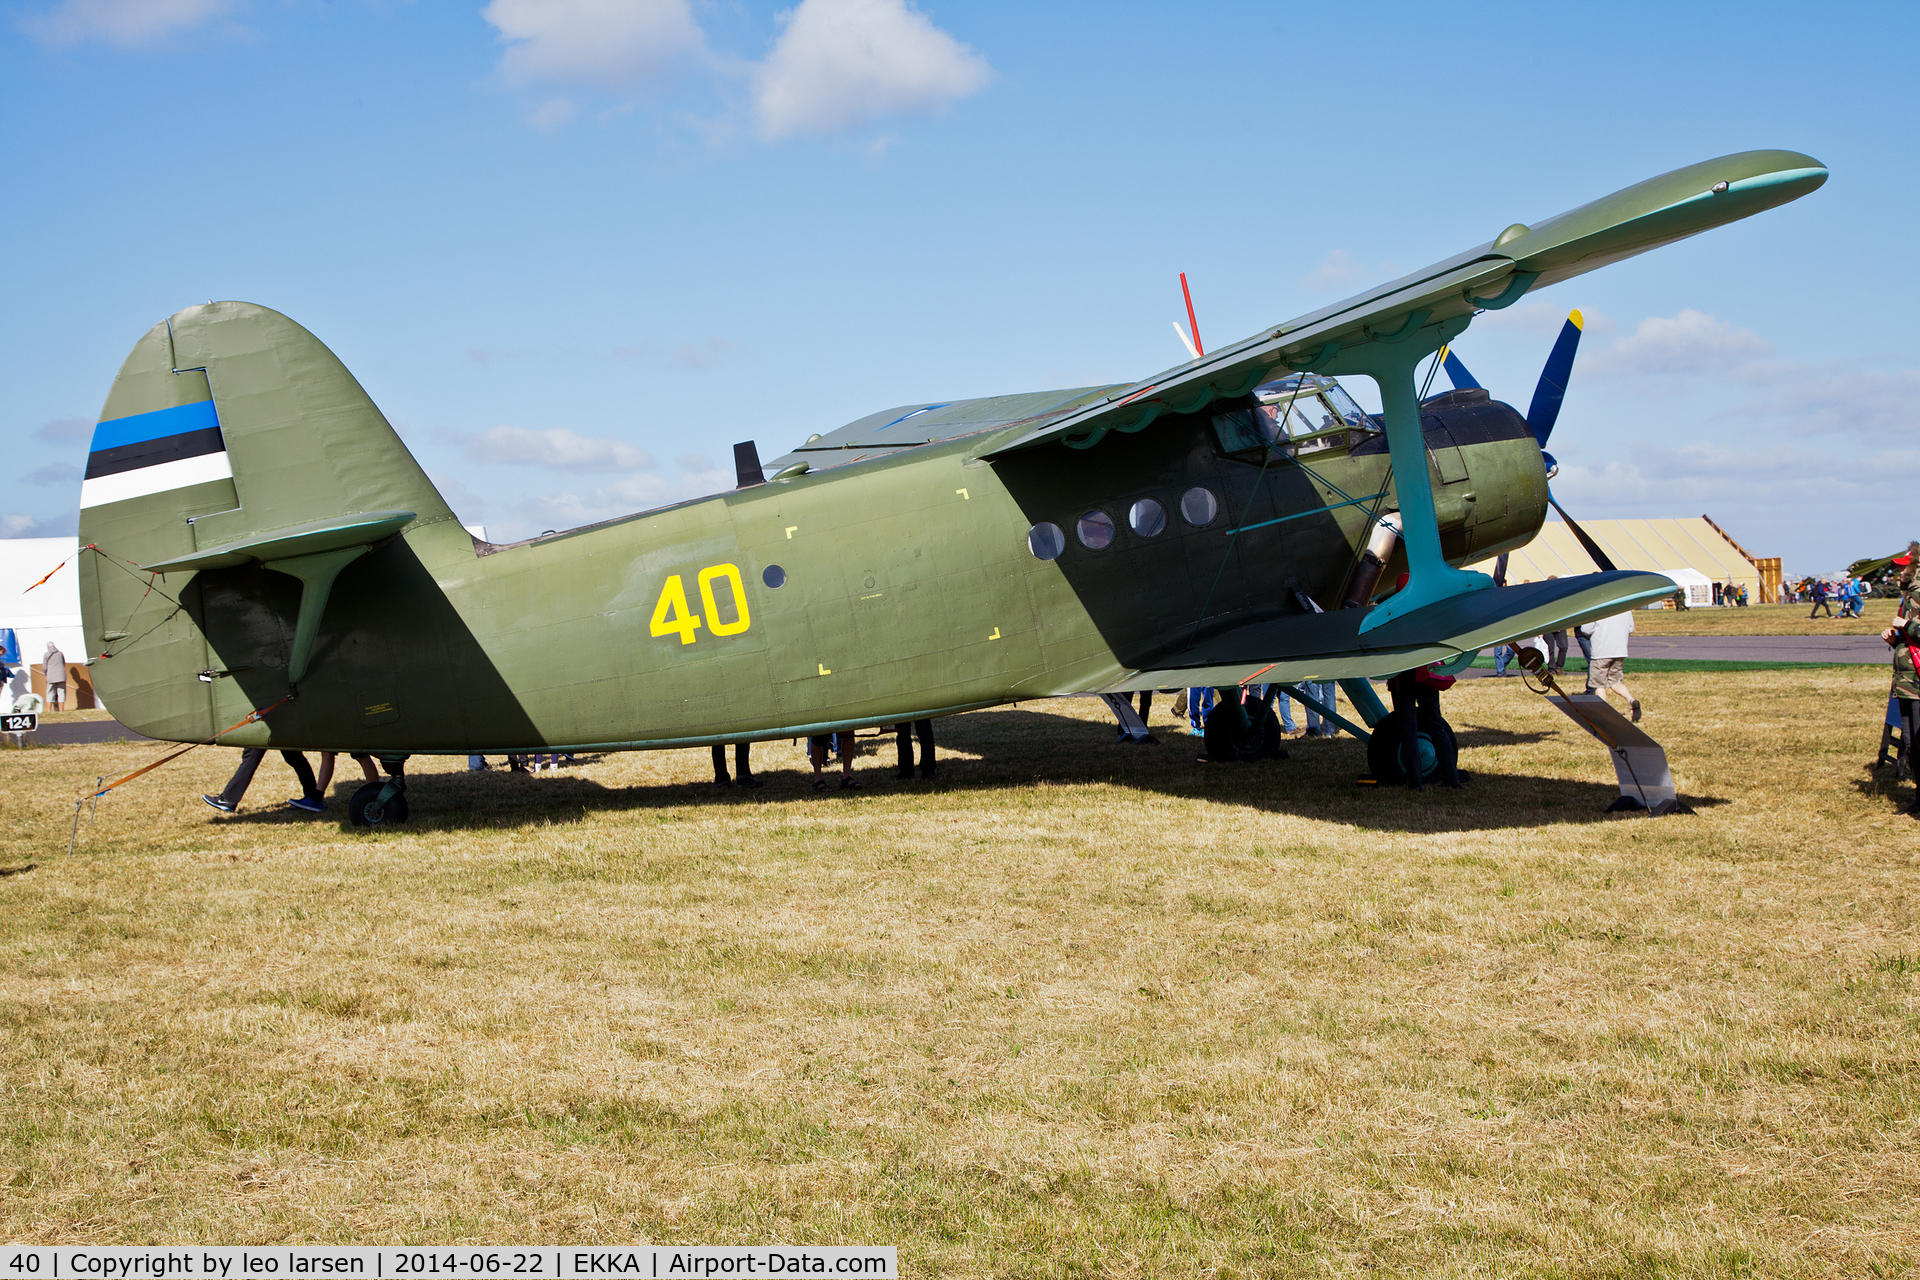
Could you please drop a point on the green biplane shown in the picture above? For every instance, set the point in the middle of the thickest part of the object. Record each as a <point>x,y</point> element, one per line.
<point>257,530</point>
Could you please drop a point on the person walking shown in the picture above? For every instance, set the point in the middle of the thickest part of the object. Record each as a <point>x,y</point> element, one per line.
<point>1903,637</point>
<point>228,799</point>
<point>325,778</point>
<point>1607,665</point>
<point>1283,707</point>
<point>1821,599</point>
<point>56,673</point>
<point>1327,694</point>
<point>905,732</point>
<point>1199,703</point>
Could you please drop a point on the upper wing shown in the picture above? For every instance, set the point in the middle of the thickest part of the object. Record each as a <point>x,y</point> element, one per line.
<point>1659,211</point>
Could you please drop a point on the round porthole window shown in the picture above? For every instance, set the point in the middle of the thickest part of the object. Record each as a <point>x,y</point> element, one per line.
<point>1147,518</point>
<point>1095,530</point>
<point>1199,506</point>
<point>1046,541</point>
<point>774,576</point>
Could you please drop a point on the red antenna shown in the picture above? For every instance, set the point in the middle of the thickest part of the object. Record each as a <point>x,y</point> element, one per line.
<point>1193,325</point>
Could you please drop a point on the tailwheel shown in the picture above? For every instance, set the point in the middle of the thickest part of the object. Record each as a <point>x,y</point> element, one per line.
<point>367,810</point>
<point>1433,740</point>
<point>1245,732</point>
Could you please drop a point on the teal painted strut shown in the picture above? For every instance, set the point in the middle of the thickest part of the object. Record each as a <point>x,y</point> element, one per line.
<point>1301,515</point>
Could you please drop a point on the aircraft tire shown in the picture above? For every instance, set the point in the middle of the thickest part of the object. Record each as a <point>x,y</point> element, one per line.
<point>1439,751</point>
<point>362,813</point>
<point>1229,738</point>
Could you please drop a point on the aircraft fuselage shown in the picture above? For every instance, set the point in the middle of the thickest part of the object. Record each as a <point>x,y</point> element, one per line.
<point>907,587</point>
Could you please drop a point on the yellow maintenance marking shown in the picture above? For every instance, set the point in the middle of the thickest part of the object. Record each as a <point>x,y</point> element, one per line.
<point>963,493</point>
<point>875,596</point>
<point>995,635</point>
<point>823,669</point>
<point>790,529</point>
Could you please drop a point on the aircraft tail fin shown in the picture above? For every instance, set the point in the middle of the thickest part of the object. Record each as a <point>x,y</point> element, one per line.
<point>232,436</point>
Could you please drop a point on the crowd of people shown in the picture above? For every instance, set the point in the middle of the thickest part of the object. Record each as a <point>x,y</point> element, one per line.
<point>1604,643</point>
<point>1903,638</point>
<point>844,745</point>
<point>1850,593</point>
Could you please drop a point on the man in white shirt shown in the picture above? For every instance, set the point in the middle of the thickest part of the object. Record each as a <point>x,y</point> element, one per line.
<point>1607,667</point>
<point>56,674</point>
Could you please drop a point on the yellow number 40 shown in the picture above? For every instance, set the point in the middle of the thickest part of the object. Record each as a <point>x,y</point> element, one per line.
<point>671,616</point>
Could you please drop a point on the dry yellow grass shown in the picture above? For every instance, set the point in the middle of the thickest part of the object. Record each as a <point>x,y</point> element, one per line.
<point>1764,620</point>
<point>1076,1010</point>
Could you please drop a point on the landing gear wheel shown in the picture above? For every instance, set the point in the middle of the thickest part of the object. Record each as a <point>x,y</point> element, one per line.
<point>1255,735</point>
<point>365,809</point>
<point>1434,740</point>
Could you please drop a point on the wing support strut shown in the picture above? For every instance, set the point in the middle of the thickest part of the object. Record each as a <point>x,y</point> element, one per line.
<point>1393,364</point>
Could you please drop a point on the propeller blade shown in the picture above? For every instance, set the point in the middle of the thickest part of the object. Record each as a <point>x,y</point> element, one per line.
<point>1457,372</point>
<point>1545,409</point>
<point>1593,548</point>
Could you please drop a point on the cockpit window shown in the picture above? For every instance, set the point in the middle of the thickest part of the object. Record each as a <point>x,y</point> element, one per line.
<point>1344,406</point>
<point>1309,402</point>
<point>1242,429</point>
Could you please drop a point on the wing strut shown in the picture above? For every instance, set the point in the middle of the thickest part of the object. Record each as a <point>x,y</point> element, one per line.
<point>1392,360</point>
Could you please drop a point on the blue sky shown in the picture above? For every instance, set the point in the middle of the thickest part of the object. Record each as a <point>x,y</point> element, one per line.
<point>576,248</point>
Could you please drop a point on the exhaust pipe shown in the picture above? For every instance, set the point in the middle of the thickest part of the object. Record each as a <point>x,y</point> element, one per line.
<point>1373,561</point>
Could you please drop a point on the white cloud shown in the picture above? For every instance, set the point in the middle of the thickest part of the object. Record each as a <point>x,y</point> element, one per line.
<point>625,496</point>
<point>551,115</point>
<point>1835,396</point>
<point>1832,398</point>
<point>1689,344</point>
<point>1758,492</point>
<point>61,430</point>
<point>122,22</point>
<point>1545,319</point>
<point>839,63</point>
<point>556,447</point>
<point>1336,271</point>
<point>64,525</point>
<point>687,355</point>
<point>612,44</point>
<point>1340,271</point>
<point>54,473</point>
<point>468,505</point>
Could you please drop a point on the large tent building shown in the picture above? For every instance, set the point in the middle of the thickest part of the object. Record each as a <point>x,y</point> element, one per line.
<point>1693,550</point>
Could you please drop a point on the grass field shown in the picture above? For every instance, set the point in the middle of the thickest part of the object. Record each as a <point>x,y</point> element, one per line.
<point>1074,1010</point>
<point>1763,620</point>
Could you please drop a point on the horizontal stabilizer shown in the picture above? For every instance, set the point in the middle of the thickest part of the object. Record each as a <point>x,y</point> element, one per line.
<point>308,539</point>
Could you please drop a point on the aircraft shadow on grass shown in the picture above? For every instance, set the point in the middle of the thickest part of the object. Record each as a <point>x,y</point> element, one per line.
<point>1002,750</point>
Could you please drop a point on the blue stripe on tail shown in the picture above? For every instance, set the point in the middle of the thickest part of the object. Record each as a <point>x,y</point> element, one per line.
<point>182,418</point>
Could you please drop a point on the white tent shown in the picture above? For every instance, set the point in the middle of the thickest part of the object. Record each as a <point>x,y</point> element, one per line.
<point>1699,587</point>
<point>47,612</point>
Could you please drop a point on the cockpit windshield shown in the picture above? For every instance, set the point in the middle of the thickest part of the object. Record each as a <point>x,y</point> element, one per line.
<point>1298,405</point>
<point>1343,405</point>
